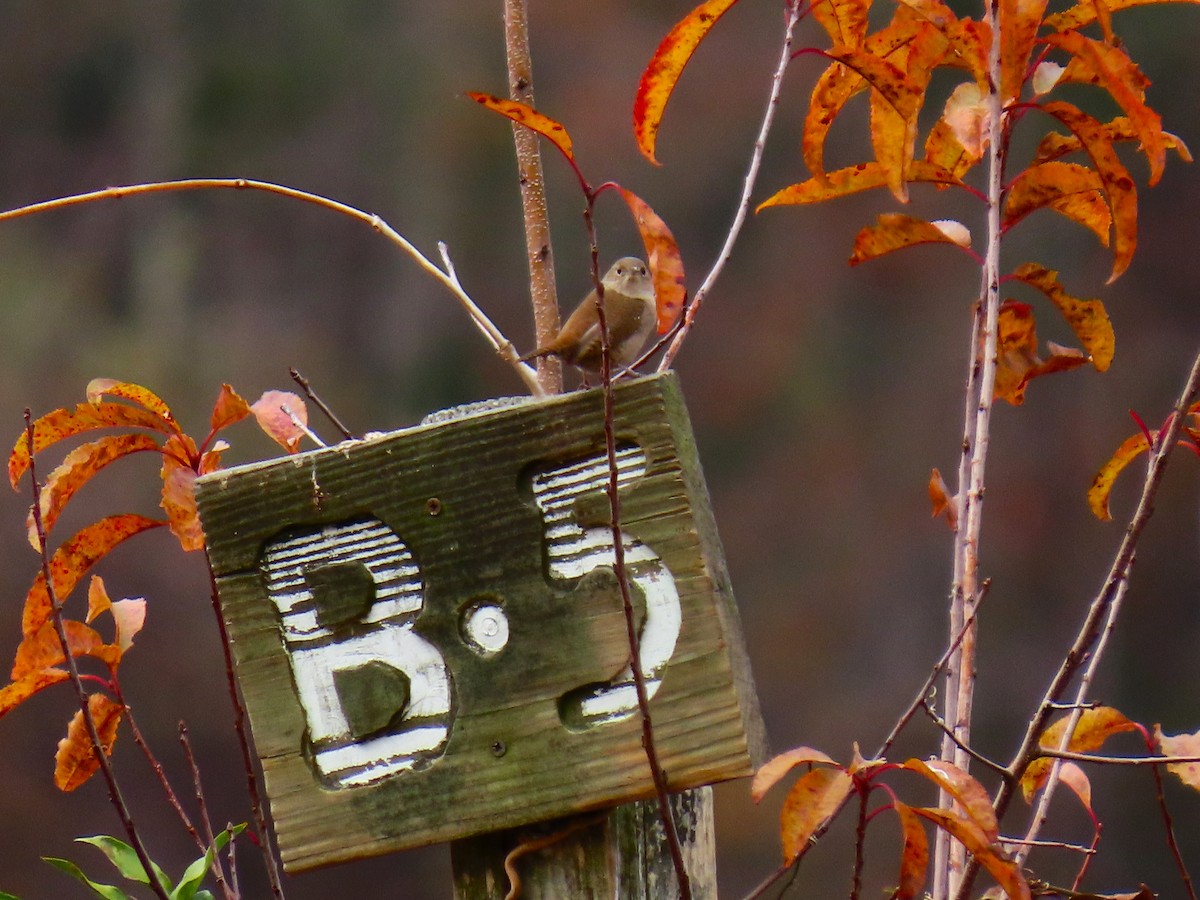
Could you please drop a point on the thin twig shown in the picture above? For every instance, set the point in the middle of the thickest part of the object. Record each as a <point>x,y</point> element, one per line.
<point>56,616</point>
<point>161,775</point>
<point>860,846</point>
<point>266,835</point>
<point>743,207</point>
<point>965,748</point>
<point>319,403</point>
<point>503,347</point>
<point>1184,875</point>
<point>202,807</point>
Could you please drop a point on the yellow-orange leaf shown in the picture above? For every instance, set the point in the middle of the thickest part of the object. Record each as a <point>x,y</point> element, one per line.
<point>142,396</point>
<point>1055,145</point>
<point>129,615</point>
<point>834,88</point>
<point>775,768</point>
<point>1069,189</point>
<point>1102,484</point>
<point>1181,745</point>
<point>853,180</point>
<point>1122,195</point>
<point>98,601</point>
<point>1125,82</point>
<point>179,493</point>
<point>941,501</point>
<point>277,413</point>
<point>1085,12</point>
<point>228,409</point>
<point>64,423</point>
<point>1087,318</point>
<point>75,762</point>
<point>72,560</point>
<point>814,797</point>
<point>987,852</point>
<point>1076,779</point>
<point>14,694</point>
<point>914,859</point>
<point>1017,360</point>
<point>968,792</point>
<point>77,469</point>
<point>944,152</point>
<point>666,66</point>
<point>526,115</point>
<point>666,265</point>
<point>1095,727</point>
<point>1019,21</point>
<point>893,231</point>
<point>889,80</point>
<point>845,21</point>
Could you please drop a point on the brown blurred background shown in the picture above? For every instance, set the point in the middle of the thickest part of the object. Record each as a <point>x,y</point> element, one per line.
<point>821,395</point>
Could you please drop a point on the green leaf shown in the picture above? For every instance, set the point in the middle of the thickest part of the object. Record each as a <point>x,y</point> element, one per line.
<point>107,891</point>
<point>7,896</point>
<point>192,877</point>
<point>124,858</point>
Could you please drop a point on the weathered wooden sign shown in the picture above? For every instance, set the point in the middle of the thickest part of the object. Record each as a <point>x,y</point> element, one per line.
<point>429,636</point>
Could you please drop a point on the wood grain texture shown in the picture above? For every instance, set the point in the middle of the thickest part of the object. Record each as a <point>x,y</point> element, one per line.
<point>462,498</point>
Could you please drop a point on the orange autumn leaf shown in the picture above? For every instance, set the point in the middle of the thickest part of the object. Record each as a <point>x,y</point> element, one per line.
<point>277,413</point>
<point>665,68</point>
<point>987,852</point>
<point>666,265</point>
<point>127,390</point>
<point>966,114</point>
<point>891,82</point>
<point>1116,72</point>
<point>944,152</point>
<point>853,180</point>
<point>228,409</point>
<point>966,791</point>
<point>77,469</point>
<point>64,423</point>
<point>814,797</point>
<point>775,768</point>
<point>1102,485</point>
<point>1076,779</point>
<point>1087,318</point>
<point>43,650</point>
<point>941,501</point>
<point>1120,129</point>
<point>21,689</point>
<point>833,89</point>
<point>1181,745</point>
<point>72,560</point>
<point>526,115</point>
<point>179,492</point>
<point>1095,727</point>
<point>1085,12</point>
<point>1072,190</point>
<point>75,762</point>
<point>129,615</point>
<point>914,858</point>
<point>1118,186</point>
<point>1017,359</point>
<point>845,21</point>
<point>1019,22</point>
<point>893,231</point>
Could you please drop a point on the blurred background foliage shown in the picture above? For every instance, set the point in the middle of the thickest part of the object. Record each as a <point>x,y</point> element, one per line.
<point>821,396</point>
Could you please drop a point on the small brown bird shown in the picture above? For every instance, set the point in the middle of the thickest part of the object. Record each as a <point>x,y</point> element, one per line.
<point>629,311</point>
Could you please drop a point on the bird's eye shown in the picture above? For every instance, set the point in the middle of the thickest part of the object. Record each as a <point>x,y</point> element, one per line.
<point>620,270</point>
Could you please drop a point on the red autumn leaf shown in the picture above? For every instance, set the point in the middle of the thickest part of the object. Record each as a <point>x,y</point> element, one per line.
<point>1019,21</point>
<point>127,390</point>
<point>1072,190</point>
<point>665,68</point>
<point>77,469</point>
<point>778,766</point>
<point>1102,484</point>
<point>14,694</point>
<point>228,409</point>
<point>64,423</point>
<point>1087,318</point>
<point>893,231</point>
<point>914,858</point>
<point>1181,745</point>
<point>1122,195</point>
<point>1017,359</point>
<point>666,265</point>
<point>853,180</point>
<point>987,852</point>
<point>72,560</point>
<point>75,762</point>
<point>43,650</point>
<point>529,117</point>
<point>1123,80</point>
<point>277,413</point>
<point>179,492</point>
<point>965,790</point>
<point>941,501</point>
<point>814,797</point>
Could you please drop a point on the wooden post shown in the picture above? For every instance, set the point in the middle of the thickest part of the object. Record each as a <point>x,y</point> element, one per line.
<point>429,638</point>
